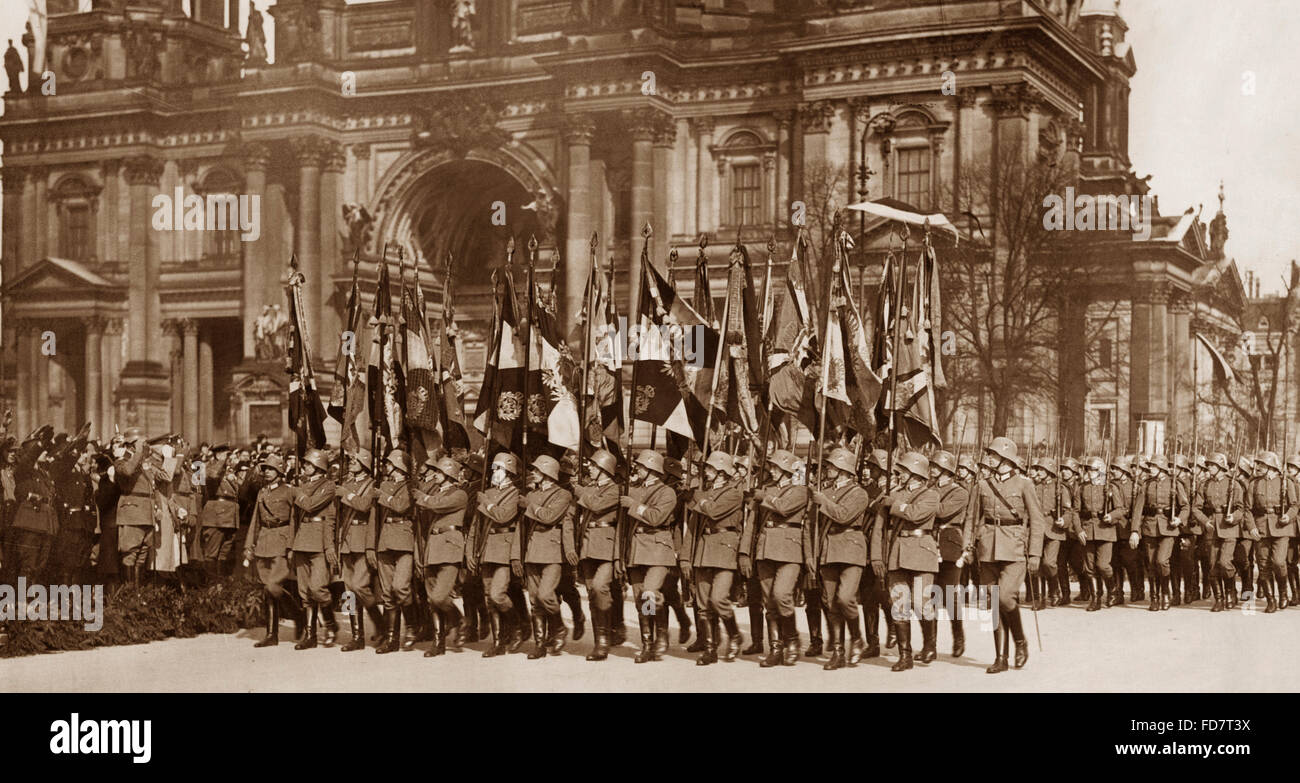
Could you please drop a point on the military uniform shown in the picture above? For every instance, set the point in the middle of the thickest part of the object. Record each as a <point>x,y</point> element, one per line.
<point>1155,514</point>
<point>444,551</point>
<point>713,559</point>
<point>1210,511</point>
<point>313,540</point>
<point>550,538</point>
<point>218,523</point>
<point>1097,515</point>
<point>1125,560</point>
<point>597,517</point>
<point>394,547</point>
<point>780,548</point>
<point>356,499</point>
<point>841,557</point>
<point>911,559</point>
<point>1053,497</point>
<point>1274,504</point>
<point>267,544</point>
<point>652,553</point>
<point>135,522</point>
<point>75,509</point>
<point>35,524</point>
<point>951,529</point>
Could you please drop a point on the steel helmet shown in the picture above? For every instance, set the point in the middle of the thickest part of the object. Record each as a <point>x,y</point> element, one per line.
<point>317,458</point>
<point>1293,461</point>
<point>548,466</point>
<point>1159,463</point>
<point>1180,462</point>
<point>1070,464</point>
<point>474,462</point>
<point>880,458</point>
<point>673,467</point>
<point>843,459</point>
<point>945,461</point>
<point>651,460</point>
<point>1046,463</point>
<point>1096,463</point>
<point>1245,464</point>
<point>1269,459</point>
<point>569,464</point>
<point>1199,461</point>
<point>1002,447</point>
<point>967,462</point>
<point>508,462</point>
<point>743,462</point>
<point>722,462</point>
<point>273,462</point>
<point>916,463</point>
<point>398,459</point>
<point>448,467</point>
<point>782,459</point>
<point>132,434</point>
<point>363,457</point>
<point>604,460</point>
<point>1220,459</point>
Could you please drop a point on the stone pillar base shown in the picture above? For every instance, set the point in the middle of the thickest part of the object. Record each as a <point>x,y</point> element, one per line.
<point>144,398</point>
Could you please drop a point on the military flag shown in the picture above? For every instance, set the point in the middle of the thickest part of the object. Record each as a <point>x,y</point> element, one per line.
<point>306,413</point>
<point>734,399</point>
<point>382,371</point>
<point>552,405</point>
<point>348,394</point>
<point>421,404</point>
<point>604,362</point>
<point>793,355</point>
<point>456,432</point>
<point>500,408</point>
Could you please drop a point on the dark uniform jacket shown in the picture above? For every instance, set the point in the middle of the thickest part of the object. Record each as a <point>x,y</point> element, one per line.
<point>222,509</point>
<point>445,505</point>
<point>951,521</point>
<point>269,534</point>
<point>1096,521</point>
<point>652,519</point>
<point>911,523</point>
<point>721,517</point>
<point>1121,491</point>
<point>597,515</point>
<point>550,529</point>
<point>1269,499</point>
<point>780,534</point>
<point>1152,507</point>
<point>1047,501</point>
<point>500,508</point>
<point>392,515</point>
<point>35,510</point>
<point>1210,508</point>
<point>1008,523</point>
<point>135,505</point>
<point>315,516</point>
<point>356,497</point>
<point>842,524</point>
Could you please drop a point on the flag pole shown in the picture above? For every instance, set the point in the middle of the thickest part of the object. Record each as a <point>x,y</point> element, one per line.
<point>528,349</point>
<point>897,317</point>
<point>593,284</point>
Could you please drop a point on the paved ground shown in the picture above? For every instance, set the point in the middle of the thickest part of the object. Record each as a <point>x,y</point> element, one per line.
<point>1185,649</point>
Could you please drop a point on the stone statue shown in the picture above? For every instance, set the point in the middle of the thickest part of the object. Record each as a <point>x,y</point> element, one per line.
<point>270,333</point>
<point>462,26</point>
<point>360,225</point>
<point>13,67</point>
<point>255,36</point>
<point>29,43</point>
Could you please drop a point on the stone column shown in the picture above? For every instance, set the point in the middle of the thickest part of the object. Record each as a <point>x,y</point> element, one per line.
<point>255,288</point>
<point>25,379</point>
<point>1180,369</point>
<point>578,132</point>
<point>205,385</point>
<point>704,174</point>
<point>665,139</point>
<point>41,375</point>
<point>190,370</point>
<point>309,153</point>
<point>641,127</point>
<point>112,364</point>
<point>817,118</point>
<point>13,221</point>
<point>362,153</point>
<point>108,239</point>
<point>171,329</point>
<point>39,216</point>
<point>1149,364</point>
<point>142,175</point>
<point>684,189</point>
<point>783,121</point>
<point>95,374</point>
<point>724,214</point>
<point>325,342</point>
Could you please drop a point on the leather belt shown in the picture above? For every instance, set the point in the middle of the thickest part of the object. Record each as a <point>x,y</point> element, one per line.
<point>914,533</point>
<point>1157,512</point>
<point>509,529</point>
<point>591,525</point>
<point>1272,510</point>
<point>227,497</point>
<point>444,528</point>
<point>795,525</point>
<point>1005,522</point>
<point>315,519</point>
<point>951,526</point>
<point>713,531</point>
<point>272,527</point>
<point>398,521</point>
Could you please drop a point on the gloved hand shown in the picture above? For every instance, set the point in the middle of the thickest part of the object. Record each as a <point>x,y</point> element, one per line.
<point>517,568</point>
<point>372,560</point>
<point>687,572</point>
<point>746,567</point>
<point>878,566</point>
<point>1034,563</point>
<point>1133,541</point>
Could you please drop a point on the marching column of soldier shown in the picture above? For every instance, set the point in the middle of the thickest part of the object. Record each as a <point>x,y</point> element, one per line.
<point>427,557</point>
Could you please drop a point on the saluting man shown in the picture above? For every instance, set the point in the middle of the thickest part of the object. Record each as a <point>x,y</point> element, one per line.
<point>650,504</point>
<point>356,497</point>
<point>268,541</point>
<point>1155,513</point>
<point>1273,502</point>
<point>843,554</point>
<point>720,510</point>
<point>444,501</point>
<point>394,548</point>
<point>954,502</point>
<point>314,558</point>
<point>219,519</point>
<point>597,516</point>
<point>499,505</point>
<point>135,522</point>
<point>1007,530</point>
<point>910,556</point>
<point>540,557</point>
<point>776,552</point>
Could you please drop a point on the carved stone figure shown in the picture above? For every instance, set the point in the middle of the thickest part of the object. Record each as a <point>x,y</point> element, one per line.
<point>360,224</point>
<point>255,36</point>
<point>13,67</point>
<point>462,26</point>
<point>271,333</point>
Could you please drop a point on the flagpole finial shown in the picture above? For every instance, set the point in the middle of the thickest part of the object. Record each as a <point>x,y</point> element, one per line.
<point>771,245</point>
<point>704,241</point>
<point>646,230</point>
<point>532,243</point>
<point>672,258</point>
<point>594,241</point>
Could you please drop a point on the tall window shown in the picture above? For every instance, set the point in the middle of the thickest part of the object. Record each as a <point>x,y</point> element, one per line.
<point>221,245</point>
<point>746,189</point>
<point>1103,424</point>
<point>76,232</point>
<point>914,176</point>
<point>1106,356</point>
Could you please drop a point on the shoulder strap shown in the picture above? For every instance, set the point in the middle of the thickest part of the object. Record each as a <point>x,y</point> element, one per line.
<point>994,488</point>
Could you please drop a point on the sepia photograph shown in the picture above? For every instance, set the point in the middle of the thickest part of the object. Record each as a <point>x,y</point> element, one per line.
<point>910,348</point>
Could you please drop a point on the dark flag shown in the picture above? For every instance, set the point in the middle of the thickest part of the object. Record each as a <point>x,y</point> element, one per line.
<point>503,377</point>
<point>421,404</point>
<point>919,372</point>
<point>348,393</point>
<point>456,432</point>
<point>793,355</point>
<point>604,392</point>
<point>382,380</point>
<point>306,413</point>
<point>553,408</point>
<point>734,400</point>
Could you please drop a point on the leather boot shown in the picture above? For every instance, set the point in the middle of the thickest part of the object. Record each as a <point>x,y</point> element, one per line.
<point>647,624</point>
<point>470,631</point>
<point>498,646</point>
<point>308,639</point>
<point>1166,596</point>
<point>1018,635</point>
<point>1266,587</point>
<point>579,619</point>
<point>683,622</point>
<point>1279,582</point>
<point>814,611</point>
<point>272,623</point>
<point>558,635</point>
<point>734,640</point>
<point>856,648</point>
<point>755,627</point>
<point>891,632</point>
<point>393,638</point>
<point>1293,578</point>
<point>1054,597</point>
<point>1154,606</point>
<point>331,625</point>
<point>835,630</point>
<point>1095,604</point>
<point>790,630</point>
<point>451,633</point>
<point>356,626</point>
<point>707,641</point>
<point>661,633</point>
<point>410,633</point>
<point>999,645</point>
<point>775,650</point>
<point>699,644</point>
<point>904,632</point>
<point>617,631</point>
<point>1216,586</point>
<point>518,621</point>
<point>929,641</point>
<point>958,639</point>
<point>1110,591</point>
<point>600,628</point>
<point>871,627</point>
<point>539,620</point>
<point>438,647</point>
<point>379,621</point>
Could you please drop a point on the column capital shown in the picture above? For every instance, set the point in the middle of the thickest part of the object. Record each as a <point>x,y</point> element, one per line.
<point>13,179</point>
<point>641,124</point>
<point>95,324</point>
<point>967,98</point>
<point>860,109</point>
<point>579,129</point>
<point>769,161</point>
<point>38,173</point>
<point>665,130</point>
<point>113,326</point>
<point>704,126</point>
<point>1152,292</point>
<point>189,326</point>
<point>255,155</point>
<point>817,116</point>
<point>26,327</point>
<point>336,159</point>
<point>784,119</point>
<point>361,151</point>
<point>1014,100</point>
<point>308,151</point>
<point>143,170</point>
<point>172,327</point>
